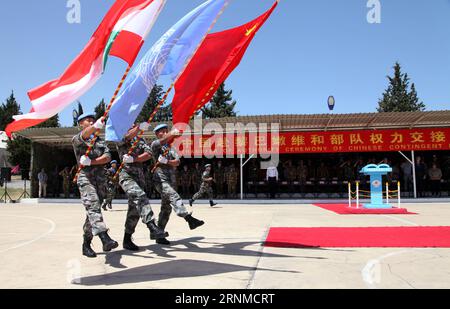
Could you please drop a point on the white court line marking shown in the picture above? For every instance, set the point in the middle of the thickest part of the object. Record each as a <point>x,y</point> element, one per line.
<point>401,220</point>
<point>367,272</point>
<point>52,228</point>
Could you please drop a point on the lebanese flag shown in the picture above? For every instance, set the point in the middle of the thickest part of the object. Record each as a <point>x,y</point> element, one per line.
<point>217,57</point>
<point>120,34</point>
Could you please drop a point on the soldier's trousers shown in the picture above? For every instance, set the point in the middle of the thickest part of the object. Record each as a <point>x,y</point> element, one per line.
<point>186,189</point>
<point>204,191</point>
<point>219,188</point>
<point>92,192</point>
<point>66,188</point>
<point>138,202</point>
<point>170,199</point>
<point>110,194</point>
<point>231,189</point>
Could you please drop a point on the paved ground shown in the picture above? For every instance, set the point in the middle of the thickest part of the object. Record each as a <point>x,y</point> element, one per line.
<point>40,248</point>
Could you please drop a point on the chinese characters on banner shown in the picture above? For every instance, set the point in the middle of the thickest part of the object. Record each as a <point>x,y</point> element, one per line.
<point>319,142</point>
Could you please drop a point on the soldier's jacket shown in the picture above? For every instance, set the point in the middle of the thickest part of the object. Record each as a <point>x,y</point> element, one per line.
<point>219,174</point>
<point>196,176</point>
<point>232,176</point>
<point>291,173</point>
<point>110,173</point>
<point>66,177</point>
<point>137,168</point>
<point>205,176</point>
<point>253,173</point>
<point>186,178</point>
<point>100,148</point>
<point>302,172</point>
<point>164,172</point>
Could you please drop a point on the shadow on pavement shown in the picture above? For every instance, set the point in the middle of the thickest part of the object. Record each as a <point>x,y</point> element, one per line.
<point>183,268</point>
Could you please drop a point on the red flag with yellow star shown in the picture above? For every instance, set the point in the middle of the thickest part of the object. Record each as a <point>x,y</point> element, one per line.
<point>217,57</point>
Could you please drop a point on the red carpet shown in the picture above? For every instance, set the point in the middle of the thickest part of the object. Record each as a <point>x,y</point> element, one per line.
<point>343,209</point>
<point>371,237</point>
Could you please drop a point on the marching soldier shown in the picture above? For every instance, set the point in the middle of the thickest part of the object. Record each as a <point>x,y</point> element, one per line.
<point>205,188</point>
<point>132,181</point>
<point>165,181</point>
<point>232,178</point>
<point>111,186</point>
<point>91,182</point>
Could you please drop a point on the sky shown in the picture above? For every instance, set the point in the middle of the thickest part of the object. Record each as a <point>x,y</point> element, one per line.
<point>307,51</point>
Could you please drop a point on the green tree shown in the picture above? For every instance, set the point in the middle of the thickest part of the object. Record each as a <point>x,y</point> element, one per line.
<point>398,97</point>
<point>8,110</point>
<point>100,109</point>
<point>19,148</point>
<point>79,112</point>
<point>164,113</point>
<point>221,105</point>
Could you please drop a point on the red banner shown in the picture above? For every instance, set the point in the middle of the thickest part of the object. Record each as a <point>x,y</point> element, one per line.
<point>317,142</point>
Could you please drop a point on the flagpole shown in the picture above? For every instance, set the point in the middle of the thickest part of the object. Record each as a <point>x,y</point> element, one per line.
<point>105,115</point>
<point>163,100</point>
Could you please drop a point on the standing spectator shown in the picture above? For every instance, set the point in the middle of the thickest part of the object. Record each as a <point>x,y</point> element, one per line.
<point>272,177</point>
<point>232,179</point>
<point>302,174</point>
<point>421,175</point>
<point>406,168</point>
<point>322,172</point>
<point>43,178</point>
<point>185,178</point>
<point>395,173</point>
<point>196,177</point>
<point>54,182</point>
<point>219,177</point>
<point>358,166</point>
<point>347,171</point>
<point>291,175</point>
<point>435,175</point>
<point>67,177</point>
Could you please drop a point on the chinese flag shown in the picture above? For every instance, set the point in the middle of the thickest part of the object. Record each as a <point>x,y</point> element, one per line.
<point>219,54</point>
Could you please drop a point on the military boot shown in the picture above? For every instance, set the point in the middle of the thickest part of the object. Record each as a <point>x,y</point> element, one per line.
<point>155,231</point>
<point>163,241</point>
<point>193,222</point>
<point>153,237</point>
<point>128,243</point>
<point>87,249</point>
<point>212,204</point>
<point>108,243</point>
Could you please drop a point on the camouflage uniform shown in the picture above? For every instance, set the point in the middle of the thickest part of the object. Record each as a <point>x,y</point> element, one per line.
<point>205,188</point>
<point>219,177</point>
<point>196,179</point>
<point>132,181</point>
<point>186,181</point>
<point>232,178</point>
<point>111,187</point>
<point>165,182</point>
<point>92,185</point>
<point>67,178</point>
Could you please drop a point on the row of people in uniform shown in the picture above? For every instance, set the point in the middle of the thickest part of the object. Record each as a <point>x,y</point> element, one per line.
<point>92,183</point>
